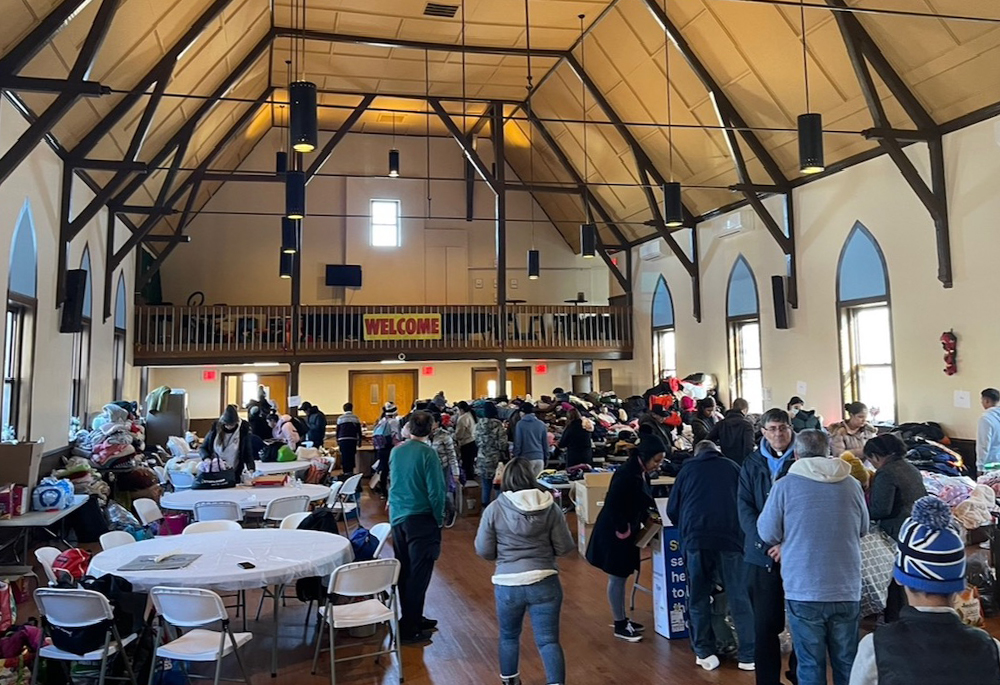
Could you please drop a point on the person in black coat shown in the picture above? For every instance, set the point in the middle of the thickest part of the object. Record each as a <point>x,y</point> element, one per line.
<point>577,442</point>
<point>734,434</point>
<point>704,420</point>
<point>627,506</point>
<point>315,424</point>
<point>257,418</point>
<point>219,442</point>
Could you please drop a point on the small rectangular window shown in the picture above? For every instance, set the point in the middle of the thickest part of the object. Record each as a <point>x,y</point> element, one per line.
<point>120,341</point>
<point>80,372</point>
<point>385,223</point>
<point>664,353</point>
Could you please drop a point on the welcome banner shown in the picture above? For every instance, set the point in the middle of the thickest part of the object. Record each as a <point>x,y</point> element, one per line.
<point>402,326</point>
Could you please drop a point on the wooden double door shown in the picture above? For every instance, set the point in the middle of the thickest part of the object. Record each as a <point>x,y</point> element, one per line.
<point>372,389</point>
<point>484,382</point>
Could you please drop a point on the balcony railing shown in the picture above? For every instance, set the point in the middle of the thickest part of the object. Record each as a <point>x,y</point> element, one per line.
<point>336,333</point>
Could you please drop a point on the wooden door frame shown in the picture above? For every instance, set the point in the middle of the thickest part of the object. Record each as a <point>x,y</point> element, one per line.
<point>493,369</point>
<point>239,375</point>
<point>413,372</point>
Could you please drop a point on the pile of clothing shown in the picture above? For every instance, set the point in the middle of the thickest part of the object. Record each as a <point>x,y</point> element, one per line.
<point>85,479</point>
<point>116,436</point>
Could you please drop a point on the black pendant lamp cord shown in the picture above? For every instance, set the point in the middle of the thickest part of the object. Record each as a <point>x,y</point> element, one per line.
<point>527,107</point>
<point>583,103</point>
<point>670,120</point>
<point>805,51</point>
<point>427,124</point>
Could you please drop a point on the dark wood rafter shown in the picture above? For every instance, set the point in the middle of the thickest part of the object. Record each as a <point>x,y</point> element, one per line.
<point>27,141</point>
<point>324,154</point>
<point>864,51</point>
<point>34,84</point>
<point>471,154</point>
<point>163,77</point>
<point>500,171</point>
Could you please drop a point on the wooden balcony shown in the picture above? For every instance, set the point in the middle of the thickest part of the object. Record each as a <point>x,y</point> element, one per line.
<point>246,334</point>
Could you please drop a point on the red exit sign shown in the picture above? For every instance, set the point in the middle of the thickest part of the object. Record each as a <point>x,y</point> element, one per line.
<point>541,369</point>
<point>427,370</point>
<point>209,375</point>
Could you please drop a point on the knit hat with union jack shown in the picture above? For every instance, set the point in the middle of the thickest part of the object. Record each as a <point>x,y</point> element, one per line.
<point>931,555</point>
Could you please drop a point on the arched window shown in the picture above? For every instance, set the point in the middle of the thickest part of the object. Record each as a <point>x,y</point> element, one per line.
<point>80,371</point>
<point>664,339</point>
<point>120,340</point>
<point>22,291</point>
<point>743,321</point>
<point>866,349</point>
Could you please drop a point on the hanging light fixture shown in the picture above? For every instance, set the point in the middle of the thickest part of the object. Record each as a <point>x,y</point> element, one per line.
<point>534,256</point>
<point>285,268</point>
<point>534,264</point>
<point>281,156</point>
<point>302,120</point>
<point>393,163</point>
<point>810,124</point>
<point>588,229</point>
<point>295,194</point>
<point>673,206</point>
<point>289,235</point>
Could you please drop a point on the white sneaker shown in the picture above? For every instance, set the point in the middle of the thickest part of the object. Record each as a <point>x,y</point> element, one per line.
<point>747,666</point>
<point>709,663</point>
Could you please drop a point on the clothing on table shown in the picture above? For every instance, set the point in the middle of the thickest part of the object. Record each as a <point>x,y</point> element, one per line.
<point>844,439</point>
<point>157,399</point>
<point>701,426</point>
<point>757,478</point>
<point>531,438</point>
<point>817,513</point>
<point>626,507</point>
<point>235,448</point>
<point>417,484</point>
<point>542,601</point>
<point>578,443</point>
<point>825,628</point>
<point>416,542</point>
<point>988,438</point>
<point>896,486</point>
<point>734,436</point>
<point>929,646</point>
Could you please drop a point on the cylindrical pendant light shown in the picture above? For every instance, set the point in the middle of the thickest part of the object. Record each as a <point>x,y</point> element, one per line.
<point>811,143</point>
<point>534,265</point>
<point>588,240</point>
<point>295,194</point>
<point>285,270</point>
<point>289,235</point>
<point>303,116</point>
<point>280,162</point>
<point>673,208</point>
<point>393,163</point>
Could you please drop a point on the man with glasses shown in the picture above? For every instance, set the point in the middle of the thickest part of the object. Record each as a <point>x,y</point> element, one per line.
<point>768,463</point>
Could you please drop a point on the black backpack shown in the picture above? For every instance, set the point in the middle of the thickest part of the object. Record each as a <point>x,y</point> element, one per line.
<point>805,419</point>
<point>313,589</point>
<point>270,451</point>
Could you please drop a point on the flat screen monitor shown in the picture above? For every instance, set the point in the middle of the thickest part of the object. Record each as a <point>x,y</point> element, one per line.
<point>343,275</point>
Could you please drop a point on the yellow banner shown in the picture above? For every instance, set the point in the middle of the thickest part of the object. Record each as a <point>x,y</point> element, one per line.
<point>402,326</point>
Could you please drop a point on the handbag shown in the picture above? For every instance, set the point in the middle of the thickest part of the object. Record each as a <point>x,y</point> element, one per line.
<point>73,562</point>
<point>217,476</point>
<point>270,452</point>
<point>878,554</point>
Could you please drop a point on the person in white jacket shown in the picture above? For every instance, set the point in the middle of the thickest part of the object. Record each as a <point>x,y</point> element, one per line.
<point>988,435</point>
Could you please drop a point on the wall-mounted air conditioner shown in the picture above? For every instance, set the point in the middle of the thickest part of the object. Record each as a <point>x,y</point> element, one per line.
<point>651,250</point>
<point>738,222</point>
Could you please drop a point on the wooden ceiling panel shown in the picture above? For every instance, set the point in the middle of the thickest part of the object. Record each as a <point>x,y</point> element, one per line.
<point>19,18</point>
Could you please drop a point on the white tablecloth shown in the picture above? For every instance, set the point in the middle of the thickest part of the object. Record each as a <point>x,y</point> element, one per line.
<point>247,497</point>
<point>279,557</point>
<point>270,467</point>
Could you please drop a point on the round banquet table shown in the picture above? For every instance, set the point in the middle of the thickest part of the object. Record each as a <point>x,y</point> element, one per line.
<point>246,496</point>
<point>269,467</point>
<point>279,557</point>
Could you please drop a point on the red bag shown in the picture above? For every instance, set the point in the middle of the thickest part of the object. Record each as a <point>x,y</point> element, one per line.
<point>73,562</point>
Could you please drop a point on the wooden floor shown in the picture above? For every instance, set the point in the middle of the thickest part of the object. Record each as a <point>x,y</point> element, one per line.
<point>464,650</point>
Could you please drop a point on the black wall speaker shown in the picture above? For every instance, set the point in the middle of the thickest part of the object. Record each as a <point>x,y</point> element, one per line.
<point>780,305</point>
<point>71,318</point>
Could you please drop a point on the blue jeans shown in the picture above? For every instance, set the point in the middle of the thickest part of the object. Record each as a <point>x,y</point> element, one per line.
<point>486,485</point>
<point>822,627</point>
<point>705,568</point>
<point>542,600</point>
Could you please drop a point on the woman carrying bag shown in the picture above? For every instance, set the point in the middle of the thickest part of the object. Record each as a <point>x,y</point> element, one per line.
<point>229,442</point>
<point>628,505</point>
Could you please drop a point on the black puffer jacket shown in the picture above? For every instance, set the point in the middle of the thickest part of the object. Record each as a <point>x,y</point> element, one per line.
<point>734,436</point>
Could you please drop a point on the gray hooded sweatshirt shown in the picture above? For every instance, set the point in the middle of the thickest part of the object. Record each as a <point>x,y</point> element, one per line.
<point>523,532</point>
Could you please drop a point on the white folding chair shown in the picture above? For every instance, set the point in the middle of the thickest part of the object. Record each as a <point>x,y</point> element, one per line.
<point>218,511</point>
<point>346,504</point>
<point>45,557</point>
<point>161,474</point>
<point>210,527</point>
<point>195,608</point>
<point>74,608</point>
<point>147,510</point>
<point>278,509</point>
<point>331,499</point>
<point>181,480</point>
<point>292,521</point>
<point>116,538</point>
<point>382,531</point>
<point>374,580</point>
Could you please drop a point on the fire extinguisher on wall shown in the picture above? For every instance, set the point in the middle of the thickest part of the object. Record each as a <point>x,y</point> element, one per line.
<point>949,341</point>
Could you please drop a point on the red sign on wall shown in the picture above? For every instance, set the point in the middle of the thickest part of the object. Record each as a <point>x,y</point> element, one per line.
<point>209,375</point>
<point>541,369</point>
<point>427,370</point>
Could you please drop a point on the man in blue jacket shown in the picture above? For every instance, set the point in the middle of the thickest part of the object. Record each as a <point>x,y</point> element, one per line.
<point>761,470</point>
<point>703,507</point>
<point>531,439</point>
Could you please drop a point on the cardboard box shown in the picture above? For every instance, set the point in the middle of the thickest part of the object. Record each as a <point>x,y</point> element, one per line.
<point>598,479</point>
<point>583,532</point>
<point>12,501</point>
<point>589,500</point>
<point>20,465</point>
<point>472,499</point>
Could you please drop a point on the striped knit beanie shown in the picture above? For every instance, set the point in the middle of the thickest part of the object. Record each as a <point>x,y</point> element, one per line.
<point>931,555</point>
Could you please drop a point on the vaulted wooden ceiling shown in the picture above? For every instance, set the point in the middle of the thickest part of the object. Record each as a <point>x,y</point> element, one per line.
<point>751,49</point>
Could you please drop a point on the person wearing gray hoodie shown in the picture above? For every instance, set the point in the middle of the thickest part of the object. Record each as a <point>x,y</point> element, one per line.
<point>531,439</point>
<point>523,530</point>
<point>813,523</point>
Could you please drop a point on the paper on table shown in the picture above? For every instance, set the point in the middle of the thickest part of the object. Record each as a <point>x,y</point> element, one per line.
<point>150,562</point>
